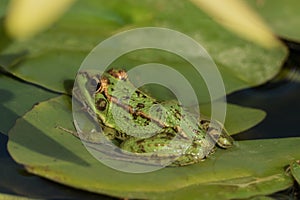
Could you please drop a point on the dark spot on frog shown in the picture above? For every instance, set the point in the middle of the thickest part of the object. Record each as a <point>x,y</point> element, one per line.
<point>141,147</point>
<point>140,94</point>
<point>140,105</point>
<point>158,109</point>
<point>140,141</point>
<point>126,98</point>
<point>177,114</point>
<point>170,135</point>
<point>204,121</point>
<point>194,145</point>
<point>142,150</point>
<point>101,104</point>
<point>147,122</point>
<point>126,118</point>
<point>134,115</point>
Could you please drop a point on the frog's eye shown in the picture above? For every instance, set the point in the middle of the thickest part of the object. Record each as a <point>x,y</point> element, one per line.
<point>95,83</point>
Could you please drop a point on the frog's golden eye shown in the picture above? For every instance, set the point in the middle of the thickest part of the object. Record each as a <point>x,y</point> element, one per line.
<point>95,83</point>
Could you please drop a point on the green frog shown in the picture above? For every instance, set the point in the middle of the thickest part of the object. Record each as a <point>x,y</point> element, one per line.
<point>140,124</point>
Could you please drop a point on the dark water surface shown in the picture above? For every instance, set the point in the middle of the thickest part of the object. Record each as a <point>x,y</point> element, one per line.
<point>16,181</point>
<point>280,98</point>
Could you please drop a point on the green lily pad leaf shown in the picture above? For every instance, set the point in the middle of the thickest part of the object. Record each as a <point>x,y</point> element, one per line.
<point>242,171</point>
<point>56,55</point>
<point>240,188</point>
<point>16,99</point>
<point>3,7</point>
<point>7,60</point>
<point>238,118</point>
<point>283,17</point>
<point>4,39</point>
<point>13,197</point>
<point>261,198</point>
<point>15,180</point>
<point>295,169</point>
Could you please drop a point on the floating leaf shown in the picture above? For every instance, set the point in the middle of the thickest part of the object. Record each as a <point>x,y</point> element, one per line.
<point>17,98</point>
<point>233,188</point>
<point>50,64</point>
<point>13,197</point>
<point>15,180</point>
<point>250,168</point>
<point>3,7</point>
<point>238,118</point>
<point>283,17</point>
<point>241,19</point>
<point>295,169</point>
<point>22,21</point>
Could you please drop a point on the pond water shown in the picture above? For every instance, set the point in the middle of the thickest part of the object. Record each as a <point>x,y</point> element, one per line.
<point>280,98</point>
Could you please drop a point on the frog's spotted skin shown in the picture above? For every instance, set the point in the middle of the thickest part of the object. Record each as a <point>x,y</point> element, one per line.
<point>144,125</point>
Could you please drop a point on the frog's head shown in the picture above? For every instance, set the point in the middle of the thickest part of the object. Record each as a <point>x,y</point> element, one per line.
<point>97,89</point>
<point>86,86</point>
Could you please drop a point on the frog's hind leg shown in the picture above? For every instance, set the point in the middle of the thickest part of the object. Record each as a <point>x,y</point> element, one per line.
<point>147,145</point>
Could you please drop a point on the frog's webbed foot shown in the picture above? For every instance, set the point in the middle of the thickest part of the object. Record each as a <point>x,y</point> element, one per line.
<point>223,139</point>
<point>218,133</point>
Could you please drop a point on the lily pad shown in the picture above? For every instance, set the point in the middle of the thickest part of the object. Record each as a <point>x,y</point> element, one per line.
<point>248,169</point>
<point>238,118</point>
<point>295,169</point>
<point>15,180</point>
<point>283,17</point>
<point>13,197</point>
<point>3,7</point>
<point>16,99</point>
<point>241,63</point>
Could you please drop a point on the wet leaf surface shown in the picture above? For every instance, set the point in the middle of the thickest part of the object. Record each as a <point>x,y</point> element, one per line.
<point>242,64</point>
<point>250,168</point>
<point>16,98</point>
<point>282,17</point>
